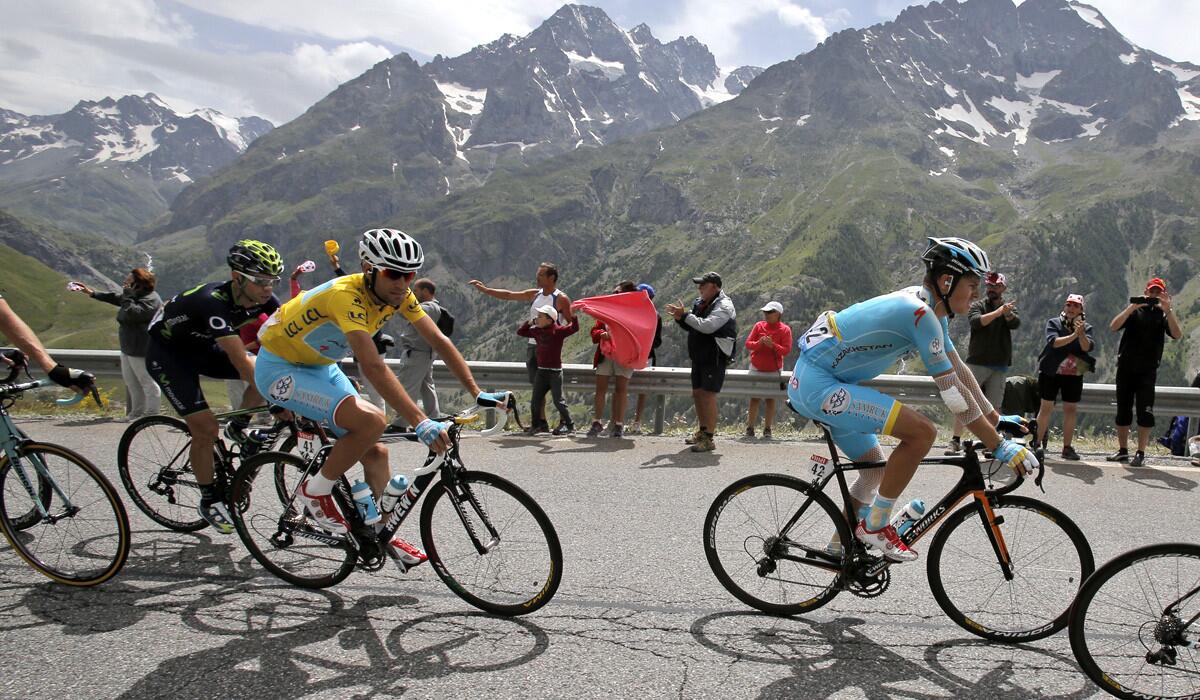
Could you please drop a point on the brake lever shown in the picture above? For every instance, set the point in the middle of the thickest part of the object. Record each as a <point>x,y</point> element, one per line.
<point>1041,473</point>
<point>96,396</point>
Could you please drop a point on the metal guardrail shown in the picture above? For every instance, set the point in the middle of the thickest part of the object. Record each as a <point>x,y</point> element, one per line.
<point>739,383</point>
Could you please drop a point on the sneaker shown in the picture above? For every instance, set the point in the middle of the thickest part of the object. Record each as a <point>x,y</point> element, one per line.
<point>618,431</point>
<point>693,438</point>
<point>406,555</point>
<point>323,512</point>
<point>1120,455</point>
<point>1139,458</point>
<point>766,434</point>
<point>886,541</point>
<point>955,446</point>
<point>636,429</point>
<point>1069,453</point>
<point>563,429</point>
<point>750,432</point>
<point>704,444</point>
<point>538,427</point>
<point>594,431</point>
<point>217,515</point>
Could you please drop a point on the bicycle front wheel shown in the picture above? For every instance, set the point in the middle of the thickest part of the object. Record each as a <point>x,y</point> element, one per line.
<point>1124,637</point>
<point>83,539</point>
<point>764,562</point>
<point>491,543</point>
<point>272,525</point>
<point>1050,559</point>
<point>155,466</point>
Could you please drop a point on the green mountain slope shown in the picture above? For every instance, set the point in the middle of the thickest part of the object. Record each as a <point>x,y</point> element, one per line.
<point>61,319</point>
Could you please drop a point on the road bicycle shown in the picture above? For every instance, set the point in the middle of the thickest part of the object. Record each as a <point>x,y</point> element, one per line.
<point>57,510</point>
<point>488,540</point>
<point>1134,626</point>
<point>154,463</point>
<point>1004,567</point>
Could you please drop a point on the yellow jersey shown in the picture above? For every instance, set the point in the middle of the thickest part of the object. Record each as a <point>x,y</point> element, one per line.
<point>311,328</point>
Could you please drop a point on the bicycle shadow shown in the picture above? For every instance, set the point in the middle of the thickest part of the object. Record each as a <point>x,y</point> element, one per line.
<point>1087,473</point>
<point>1151,477</point>
<point>585,445</point>
<point>684,459</point>
<point>309,658</point>
<point>831,656</point>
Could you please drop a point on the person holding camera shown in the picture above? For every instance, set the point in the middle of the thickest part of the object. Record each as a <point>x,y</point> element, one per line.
<point>1145,323</point>
<point>1061,366</point>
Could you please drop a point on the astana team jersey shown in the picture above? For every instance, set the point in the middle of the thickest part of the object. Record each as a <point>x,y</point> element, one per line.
<point>864,340</point>
<point>311,328</point>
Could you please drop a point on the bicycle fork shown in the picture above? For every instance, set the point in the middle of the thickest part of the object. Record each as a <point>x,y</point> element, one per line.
<point>69,509</point>
<point>991,525</point>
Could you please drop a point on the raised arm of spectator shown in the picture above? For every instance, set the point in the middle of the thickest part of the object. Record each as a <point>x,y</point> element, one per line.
<point>598,331</point>
<point>563,303</point>
<point>525,330</point>
<point>711,323</point>
<point>755,334</point>
<point>506,294</point>
<point>1173,328</point>
<point>1119,320</point>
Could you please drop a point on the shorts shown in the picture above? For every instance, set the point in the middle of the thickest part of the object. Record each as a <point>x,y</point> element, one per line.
<point>610,368</point>
<point>708,377</point>
<point>855,414</point>
<point>313,391</point>
<point>178,372</point>
<point>1050,385</point>
<point>777,374</point>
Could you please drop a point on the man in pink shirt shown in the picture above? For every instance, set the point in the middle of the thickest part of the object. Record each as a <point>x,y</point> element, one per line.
<point>769,342</point>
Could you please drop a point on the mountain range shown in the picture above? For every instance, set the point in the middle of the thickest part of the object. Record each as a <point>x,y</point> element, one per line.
<point>113,166</point>
<point>1038,130</point>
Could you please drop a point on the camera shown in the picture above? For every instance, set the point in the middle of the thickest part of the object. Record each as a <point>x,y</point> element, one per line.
<point>1152,301</point>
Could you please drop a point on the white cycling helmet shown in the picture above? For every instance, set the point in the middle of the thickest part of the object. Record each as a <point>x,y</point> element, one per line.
<point>391,249</point>
<point>957,256</point>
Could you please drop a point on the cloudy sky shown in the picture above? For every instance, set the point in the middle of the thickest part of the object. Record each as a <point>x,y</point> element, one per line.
<point>275,58</point>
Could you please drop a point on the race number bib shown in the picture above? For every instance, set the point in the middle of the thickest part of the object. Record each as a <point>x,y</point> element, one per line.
<point>307,443</point>
<point>818,467</point>
<point>818,332</point>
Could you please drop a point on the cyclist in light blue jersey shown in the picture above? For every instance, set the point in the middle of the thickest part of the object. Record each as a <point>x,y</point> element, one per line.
<point>842,349</point>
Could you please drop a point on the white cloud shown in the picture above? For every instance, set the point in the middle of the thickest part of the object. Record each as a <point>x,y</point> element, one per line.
<point>721,24</point>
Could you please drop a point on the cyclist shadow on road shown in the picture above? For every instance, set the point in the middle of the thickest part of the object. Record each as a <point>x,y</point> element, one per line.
<point>559,446</point>
<point>826,656</point>
<point>684,459</point>
<point>308,652</point>
<point>1158,479</point>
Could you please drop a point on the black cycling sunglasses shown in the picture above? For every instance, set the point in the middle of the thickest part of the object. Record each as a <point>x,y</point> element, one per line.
<point>396,274</point>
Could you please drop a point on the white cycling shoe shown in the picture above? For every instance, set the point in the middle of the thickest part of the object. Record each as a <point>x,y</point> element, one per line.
<point>886,542</point>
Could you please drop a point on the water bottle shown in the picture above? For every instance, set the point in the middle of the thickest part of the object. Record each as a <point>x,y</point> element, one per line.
<point>392,492</point>
<point>365,502</point>
<point>911,513</point>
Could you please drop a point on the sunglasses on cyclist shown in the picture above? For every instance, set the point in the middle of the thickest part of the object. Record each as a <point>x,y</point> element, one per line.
<point>264,282</point>
<point>396,275</point>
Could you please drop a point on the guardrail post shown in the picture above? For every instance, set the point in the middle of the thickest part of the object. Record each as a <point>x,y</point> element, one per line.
<point>660,412</point>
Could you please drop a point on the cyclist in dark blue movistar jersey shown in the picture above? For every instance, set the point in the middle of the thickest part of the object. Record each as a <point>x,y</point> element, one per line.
<point>196,334</point>
<point>842,349</point>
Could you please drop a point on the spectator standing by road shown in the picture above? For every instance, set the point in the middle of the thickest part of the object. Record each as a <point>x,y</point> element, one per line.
<point>1146,323</point>
<point>417,355</point>
<point>608,367</point>
<point>546,292</point>
<point>136,303</point>
<point>989,352</point>
<point>769,343</point>
<point>652,361</point>
<point>1061,366</point>
<point>711,326</point>
<point>549,336</point>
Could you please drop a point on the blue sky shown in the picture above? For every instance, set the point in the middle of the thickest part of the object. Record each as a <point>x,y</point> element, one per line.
<point>274,58</point>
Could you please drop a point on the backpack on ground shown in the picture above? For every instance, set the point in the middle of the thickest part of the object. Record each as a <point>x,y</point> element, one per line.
<point>445,321</point>
<point>1176,437</point>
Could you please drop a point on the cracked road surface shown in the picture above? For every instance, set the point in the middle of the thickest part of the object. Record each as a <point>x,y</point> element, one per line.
<point>639,613</point>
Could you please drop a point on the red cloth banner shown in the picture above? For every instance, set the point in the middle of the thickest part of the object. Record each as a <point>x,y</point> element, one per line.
<point>631,319</point>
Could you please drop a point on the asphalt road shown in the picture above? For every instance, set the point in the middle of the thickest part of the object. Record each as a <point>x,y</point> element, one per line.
<point>639,613</point>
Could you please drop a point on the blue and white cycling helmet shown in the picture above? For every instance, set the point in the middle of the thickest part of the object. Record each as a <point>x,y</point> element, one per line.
<point>958,256</point>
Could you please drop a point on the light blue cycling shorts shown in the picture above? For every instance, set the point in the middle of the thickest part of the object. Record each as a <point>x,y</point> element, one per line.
<point>313,391</point>
<point>855,414</point>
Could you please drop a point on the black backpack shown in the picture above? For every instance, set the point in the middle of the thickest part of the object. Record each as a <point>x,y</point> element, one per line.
<point>445,322</point>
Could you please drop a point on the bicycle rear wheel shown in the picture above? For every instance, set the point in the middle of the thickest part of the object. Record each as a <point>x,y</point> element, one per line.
<point>273,527</point>
<point>156,469</point>
<point>521,567</point>
<point>1120,635</point>
<point>1050,559</point>
<point>776,571</point>
<point>84,540</point>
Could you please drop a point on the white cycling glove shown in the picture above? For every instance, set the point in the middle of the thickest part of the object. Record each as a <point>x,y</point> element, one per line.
<point>1016,456</point>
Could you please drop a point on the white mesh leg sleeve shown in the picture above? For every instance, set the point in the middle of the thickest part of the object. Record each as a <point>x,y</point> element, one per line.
<point>864,487</point>
<point>968,379</point>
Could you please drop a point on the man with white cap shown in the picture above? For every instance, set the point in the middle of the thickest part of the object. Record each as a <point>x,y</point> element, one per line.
<point>1061,366</point>
<point>989,352</point>
<point>769,343</point>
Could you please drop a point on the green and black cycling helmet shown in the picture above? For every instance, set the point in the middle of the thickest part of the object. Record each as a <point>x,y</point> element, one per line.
<point>256,258</point>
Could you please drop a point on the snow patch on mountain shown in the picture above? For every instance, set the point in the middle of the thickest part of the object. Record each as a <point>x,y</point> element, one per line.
<point>463,99</point>
<point>610,70</point>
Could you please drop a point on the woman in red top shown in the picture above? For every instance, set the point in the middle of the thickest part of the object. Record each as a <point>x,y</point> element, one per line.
<point>769,342</point>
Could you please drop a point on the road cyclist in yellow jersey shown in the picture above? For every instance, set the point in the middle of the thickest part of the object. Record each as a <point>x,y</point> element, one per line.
<point>297,368</point>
